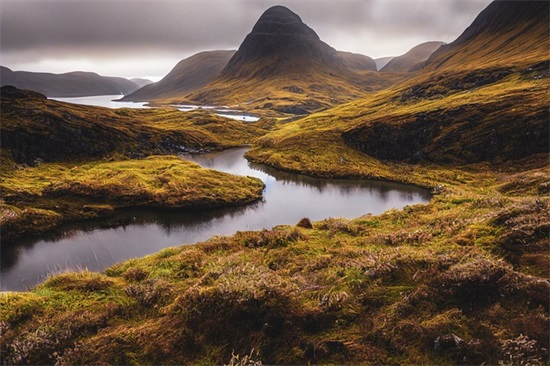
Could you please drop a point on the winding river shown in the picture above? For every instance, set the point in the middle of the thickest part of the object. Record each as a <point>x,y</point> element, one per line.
<point>288,197</point>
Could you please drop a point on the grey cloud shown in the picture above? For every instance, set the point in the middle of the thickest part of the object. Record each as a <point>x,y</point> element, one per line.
<point>99,28</point>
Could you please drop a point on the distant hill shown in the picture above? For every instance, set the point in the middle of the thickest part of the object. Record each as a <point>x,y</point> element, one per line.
<point>188,75</point>
<point>382,61</point>
<point>141,82</point>
<point>283,65</point>
<point>356,62</point>
<point>72,84</point>
<point>505,33</point>
<point>413,59</point>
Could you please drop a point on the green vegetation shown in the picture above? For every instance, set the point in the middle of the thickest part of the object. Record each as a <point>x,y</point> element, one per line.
<point>99,159</point>
<point>446,282</point>
<point>39,198</point>
<point>464,117</point>
<point>36,128</point>
<point>460,280</point>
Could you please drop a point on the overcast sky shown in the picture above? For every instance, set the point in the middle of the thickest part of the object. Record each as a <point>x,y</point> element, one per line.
<point>146,38</point>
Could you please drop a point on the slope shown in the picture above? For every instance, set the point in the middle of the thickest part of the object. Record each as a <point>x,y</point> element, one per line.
<point>506,33</point>
<point>496,110</point>
<point>72,84</point>
<point>413,58</point>
<point>188,75</point>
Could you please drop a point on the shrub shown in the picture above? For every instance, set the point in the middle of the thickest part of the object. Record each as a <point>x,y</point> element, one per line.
<point>305,223</point>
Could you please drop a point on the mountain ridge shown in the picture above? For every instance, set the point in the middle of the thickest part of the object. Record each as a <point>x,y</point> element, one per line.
<point>189,74</point>
<point>71,84</point>
<point>504,33</point>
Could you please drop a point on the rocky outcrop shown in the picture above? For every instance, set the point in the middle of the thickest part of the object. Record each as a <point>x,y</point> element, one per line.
<point>466,134</point>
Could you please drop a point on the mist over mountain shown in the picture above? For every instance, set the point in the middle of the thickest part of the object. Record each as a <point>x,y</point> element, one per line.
<point>413,58</point>
<point>382,61</point>
<point>72,84</point>
<point>141,82</point>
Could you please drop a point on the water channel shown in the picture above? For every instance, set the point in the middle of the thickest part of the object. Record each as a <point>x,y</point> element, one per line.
<point>288,197</point>
<point>97,244</point>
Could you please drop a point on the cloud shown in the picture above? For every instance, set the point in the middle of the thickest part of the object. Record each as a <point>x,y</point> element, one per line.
<point>123,29</point>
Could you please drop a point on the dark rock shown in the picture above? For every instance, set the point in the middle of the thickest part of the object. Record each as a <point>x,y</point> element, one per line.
<point>292,109</point>
<point>448,341</point>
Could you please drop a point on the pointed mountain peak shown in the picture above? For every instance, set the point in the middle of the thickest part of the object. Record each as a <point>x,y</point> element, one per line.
<point>283,21</point>
<point>280,43</point>
<point>280,12</point>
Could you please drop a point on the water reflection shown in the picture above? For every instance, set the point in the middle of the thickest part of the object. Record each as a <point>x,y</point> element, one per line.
<point>287,198</point>
<point>109,101</point>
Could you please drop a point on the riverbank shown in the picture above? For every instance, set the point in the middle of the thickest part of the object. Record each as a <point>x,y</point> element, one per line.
<point>38,199</point>
<point>385,288</point>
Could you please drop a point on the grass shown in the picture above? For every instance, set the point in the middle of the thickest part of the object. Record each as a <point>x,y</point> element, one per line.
<point>376,289</point>
<point>36,128</point>
<point>64,162</point>
<point>460,280</point>
<point>442,128</point>
<point>39,198</point>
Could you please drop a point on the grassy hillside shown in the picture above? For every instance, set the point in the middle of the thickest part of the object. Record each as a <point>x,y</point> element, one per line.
<point>34,127</point>
<point>505,33</point>
<point>97,161</point>
<point>36,199</point>
<point>453,281</point>
<point>439,120</point>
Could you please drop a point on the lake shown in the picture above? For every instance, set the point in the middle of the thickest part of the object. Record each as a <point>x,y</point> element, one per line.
<point>287,198</point>
<point>109,102</point>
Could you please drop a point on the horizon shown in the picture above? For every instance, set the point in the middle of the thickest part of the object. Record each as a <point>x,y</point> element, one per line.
<point>102,37</point>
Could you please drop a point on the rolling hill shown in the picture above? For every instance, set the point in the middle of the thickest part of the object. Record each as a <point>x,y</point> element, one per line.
<point>72,84</point>
<point>413,59</point>
<point>188,75</point>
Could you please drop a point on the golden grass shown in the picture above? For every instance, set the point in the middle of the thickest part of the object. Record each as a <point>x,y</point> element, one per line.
<point>57,192</point>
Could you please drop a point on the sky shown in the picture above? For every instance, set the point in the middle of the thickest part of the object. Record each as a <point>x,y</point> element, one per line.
<point>146,38</point>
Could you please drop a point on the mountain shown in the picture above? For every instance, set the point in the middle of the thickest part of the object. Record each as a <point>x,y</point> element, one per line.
<point>188,75</point>
<point>413,58</point>
<point>141,82</point>
<point>280,44</point>
<point>482,98</point>
<point>283,65</point>
<point>72,84</point>
<point>505,33</point>
<point>382,61</point>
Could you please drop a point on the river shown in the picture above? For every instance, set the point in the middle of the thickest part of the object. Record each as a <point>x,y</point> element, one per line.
<point>288,197</point>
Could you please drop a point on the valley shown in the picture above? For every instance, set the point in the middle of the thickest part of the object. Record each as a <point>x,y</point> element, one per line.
<point>391,216</point>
